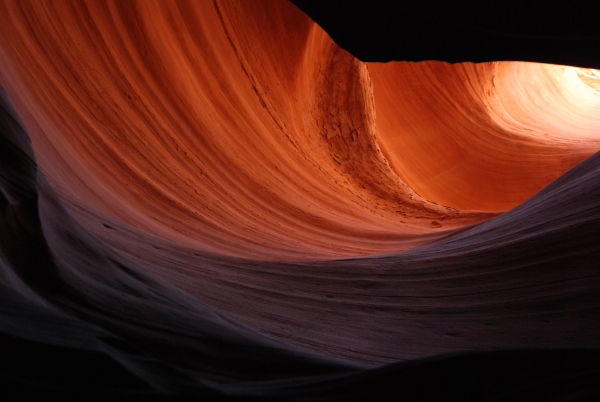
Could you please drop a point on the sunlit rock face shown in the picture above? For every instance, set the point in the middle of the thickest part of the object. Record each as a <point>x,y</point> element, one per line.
<point>245,130</point>
<point>259,212</point>
<point>484,136</point>
<point>239,129</point>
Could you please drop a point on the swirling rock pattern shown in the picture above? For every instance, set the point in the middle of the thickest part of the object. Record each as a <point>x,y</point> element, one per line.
<point>213,197</point>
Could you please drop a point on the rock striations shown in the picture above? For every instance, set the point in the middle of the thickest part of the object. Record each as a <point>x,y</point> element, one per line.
<point>214,199</point>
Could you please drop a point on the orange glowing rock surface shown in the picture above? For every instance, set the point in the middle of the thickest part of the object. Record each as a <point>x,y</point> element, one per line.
<point>213,198</point>
<point>483,136</point>
<point>242,128</point>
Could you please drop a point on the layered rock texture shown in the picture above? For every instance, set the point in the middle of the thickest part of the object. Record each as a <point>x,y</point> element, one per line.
<point>213,198</point>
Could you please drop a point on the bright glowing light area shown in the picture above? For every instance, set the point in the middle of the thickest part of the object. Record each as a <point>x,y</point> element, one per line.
<point>487,136</point>
<point>590,76</point>
<point>556,102</point>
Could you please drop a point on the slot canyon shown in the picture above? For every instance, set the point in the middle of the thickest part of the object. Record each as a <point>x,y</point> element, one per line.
<point>299,201</point>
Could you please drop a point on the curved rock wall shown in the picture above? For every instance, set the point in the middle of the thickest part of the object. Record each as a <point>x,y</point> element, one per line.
<point>212,197</point>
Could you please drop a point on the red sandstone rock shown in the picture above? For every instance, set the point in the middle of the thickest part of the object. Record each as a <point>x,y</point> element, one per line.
<point>183,135</point>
